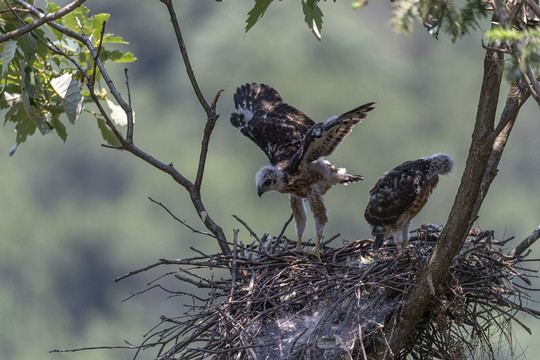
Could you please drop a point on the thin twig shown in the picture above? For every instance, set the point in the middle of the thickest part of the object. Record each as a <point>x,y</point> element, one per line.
<point>100,46</point>
<point>185,57</point>
<point>183,222</point>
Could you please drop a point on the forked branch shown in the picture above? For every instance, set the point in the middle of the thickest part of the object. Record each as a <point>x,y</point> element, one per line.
<point>127,142</point>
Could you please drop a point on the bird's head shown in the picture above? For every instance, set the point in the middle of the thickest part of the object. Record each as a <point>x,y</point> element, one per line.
<point>269,178</point>
<point>440,164</point>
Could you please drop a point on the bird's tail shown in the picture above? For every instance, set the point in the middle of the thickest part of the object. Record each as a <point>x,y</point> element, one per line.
<point>378,235</point>
<point>358,113</point>
<point>348,178</point>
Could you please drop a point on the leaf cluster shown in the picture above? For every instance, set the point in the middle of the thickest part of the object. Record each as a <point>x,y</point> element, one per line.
<point>312,15</point>
<point>439,14</point>
<point>523,44</point>
<point>38,81</point>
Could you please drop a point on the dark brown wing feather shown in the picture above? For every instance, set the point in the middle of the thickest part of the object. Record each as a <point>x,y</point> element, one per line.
<point>276,127</point>
<point>323,138</point>
<point>395,192</point>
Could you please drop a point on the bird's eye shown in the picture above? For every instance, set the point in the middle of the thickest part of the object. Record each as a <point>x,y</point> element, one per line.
<point>267,182</point>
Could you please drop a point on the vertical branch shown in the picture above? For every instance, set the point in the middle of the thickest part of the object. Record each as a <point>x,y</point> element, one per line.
<point>129,132</point>
<point>209,109</point>
<point>517,95</point>
<point>185,57</point>
<point>195,190</point>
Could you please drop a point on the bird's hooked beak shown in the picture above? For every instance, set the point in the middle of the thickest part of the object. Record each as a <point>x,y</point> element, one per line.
<point>260,192</point>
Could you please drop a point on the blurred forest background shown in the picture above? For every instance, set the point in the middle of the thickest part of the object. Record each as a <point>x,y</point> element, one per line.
<point>76,215</point>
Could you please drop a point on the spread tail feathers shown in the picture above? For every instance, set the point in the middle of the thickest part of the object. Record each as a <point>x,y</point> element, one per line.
<point>348,178</point>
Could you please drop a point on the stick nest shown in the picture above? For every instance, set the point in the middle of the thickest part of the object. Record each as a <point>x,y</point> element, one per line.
<point>279,304</point>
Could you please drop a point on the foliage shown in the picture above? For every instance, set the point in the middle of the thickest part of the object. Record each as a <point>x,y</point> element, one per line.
<point>433,14</point>
<point>38,81</point>
<point>436,15</point>
<point>524,44</point>
<point>312,15</point>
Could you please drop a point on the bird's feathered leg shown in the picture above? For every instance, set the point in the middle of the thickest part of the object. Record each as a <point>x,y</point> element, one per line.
<point>398,239</point>
<point>405,235</point>
<point>300,217</point>
<point>319,215</point>
<point>401,237</point>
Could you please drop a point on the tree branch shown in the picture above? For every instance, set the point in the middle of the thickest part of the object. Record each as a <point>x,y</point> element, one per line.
<point>127,144</point>
<point>42,20</point>
<point>185,57</point>
<point>209,109</point>
<point>517,95</point>
<point>525,244</point>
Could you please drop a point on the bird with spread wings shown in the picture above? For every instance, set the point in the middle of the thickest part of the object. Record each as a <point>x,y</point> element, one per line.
<point>295,145</point>
<point>400,194</point>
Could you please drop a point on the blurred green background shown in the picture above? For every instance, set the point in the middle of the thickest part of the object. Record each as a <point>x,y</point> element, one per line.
<point>76,215</point>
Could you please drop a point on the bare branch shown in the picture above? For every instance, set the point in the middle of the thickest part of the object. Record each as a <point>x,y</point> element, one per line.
<point>181,221</point>
<point>187,63</point>
<point>129,133</point>
<point>515,99</point>
<point>209,127</point>
<point>525,244</point>
<point>100,45</point>
<point>128,347</point>
<point>42,20</point>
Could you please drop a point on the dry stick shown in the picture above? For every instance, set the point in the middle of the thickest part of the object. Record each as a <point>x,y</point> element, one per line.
<point>131,347</point>
<point>263,248</point>
<point>183,222</point>
<point>130,120</point>
<point>100,46</point>
<point>525,244</point>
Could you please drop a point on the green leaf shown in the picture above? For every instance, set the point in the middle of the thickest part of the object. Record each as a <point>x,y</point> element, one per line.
<point>28,45</point>
<point>29,96</point>
<point>106,133</point>
<point>97,23</point>
<point>23,125</point>
<point>313,17</point>
<point>81,14</point>
<point>257,12</point>
<point>119,57</point>
<point>59,127</point>
<point>8,53</point>
<point>118,115</point>
<point>111,39</point>
<point>68,89</point>
<point>24,128</point>
<point>53,7</point>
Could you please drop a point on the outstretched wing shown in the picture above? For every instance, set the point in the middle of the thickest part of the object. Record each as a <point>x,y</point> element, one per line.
<point>323,138</point>
<point>276,127</point>
<point>395,193</point>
